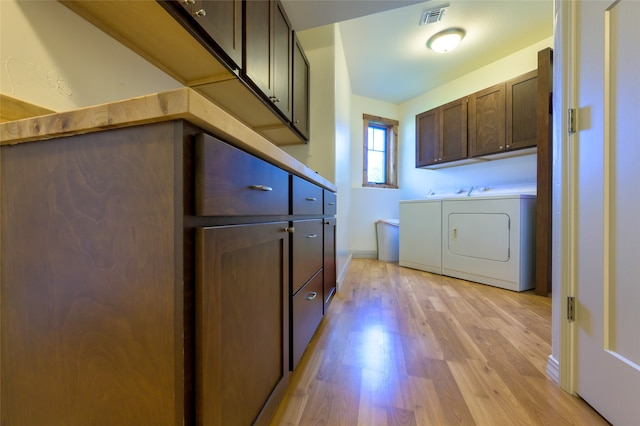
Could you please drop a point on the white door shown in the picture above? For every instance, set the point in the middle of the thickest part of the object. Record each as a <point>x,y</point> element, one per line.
<point>607,207</point>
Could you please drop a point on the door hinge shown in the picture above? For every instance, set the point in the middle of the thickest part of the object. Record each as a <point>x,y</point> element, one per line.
<point>571,308</point>
<point>571,120</point>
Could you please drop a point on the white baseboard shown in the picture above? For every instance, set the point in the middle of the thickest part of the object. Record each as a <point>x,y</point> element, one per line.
<point>364,254</point>
<point>553,369</point>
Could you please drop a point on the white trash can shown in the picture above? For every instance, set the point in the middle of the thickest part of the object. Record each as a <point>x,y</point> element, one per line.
<point>388,239</point>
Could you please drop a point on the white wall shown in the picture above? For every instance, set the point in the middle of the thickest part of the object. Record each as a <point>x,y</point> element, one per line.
<point>342,158</point>
<point>370,204</point>
<point>328,149</point>
<point>51,57</point>
<point>513,170</point>
<point>319,153</point>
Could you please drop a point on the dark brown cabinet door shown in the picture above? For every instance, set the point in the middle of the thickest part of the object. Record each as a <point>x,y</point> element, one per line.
<point>268,52</point>
<point>221,20</point>
<point>300,89</point>
<point>282,53</point>
<point>242,322</point>
<point>453,131</point>
<point>441,134</point>
<point>521,131</point>
<point>258,45</point>
<point>306,251</point>
<point>427,137</point>
<point>487,121</point>
<point>329,263</point>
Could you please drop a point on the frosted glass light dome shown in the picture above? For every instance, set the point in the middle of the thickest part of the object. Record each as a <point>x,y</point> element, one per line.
<point>446,40</point>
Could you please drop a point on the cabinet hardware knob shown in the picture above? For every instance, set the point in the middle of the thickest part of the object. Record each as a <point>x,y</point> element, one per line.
<point>311,199</point>
<point>500,147</point>
<point>261,188</point>
<point>274,98</point>
<point>189,1</point>
<point>290,229</point>
<point>331,204</point>
<point>312,236</point>
<point>312,295</point>
<point>296,122</point>
<point>327,223</point>
<point>507,146</point>
<point>200,12</point>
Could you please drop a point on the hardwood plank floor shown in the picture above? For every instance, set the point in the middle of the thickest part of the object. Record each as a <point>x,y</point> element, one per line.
<point>405,347</point>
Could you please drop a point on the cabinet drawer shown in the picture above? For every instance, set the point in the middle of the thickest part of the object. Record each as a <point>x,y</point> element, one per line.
<point>306,251</point>
<point>307,314</point>
<point>231,182</point>
<point>330,199</point>
<point>306,197</point>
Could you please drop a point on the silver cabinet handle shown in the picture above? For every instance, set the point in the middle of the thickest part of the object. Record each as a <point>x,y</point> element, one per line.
<point>200,12</point>
<point>312,236</point>
<point>331,204</point>
<point>311,199</point>
<point>290,229</point>
<point>312,295</point>
<point>261,188</point>
<point>189,1</point>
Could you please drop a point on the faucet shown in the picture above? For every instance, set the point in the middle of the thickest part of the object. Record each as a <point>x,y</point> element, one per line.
<point>470,191</point>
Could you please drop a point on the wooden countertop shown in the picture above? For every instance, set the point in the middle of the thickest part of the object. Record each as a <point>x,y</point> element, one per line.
<point>183,103</point>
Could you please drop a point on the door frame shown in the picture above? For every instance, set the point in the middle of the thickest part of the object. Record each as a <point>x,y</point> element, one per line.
<point>562,362</point>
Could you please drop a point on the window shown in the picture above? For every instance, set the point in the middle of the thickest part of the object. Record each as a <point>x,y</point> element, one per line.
<point>380,152</point>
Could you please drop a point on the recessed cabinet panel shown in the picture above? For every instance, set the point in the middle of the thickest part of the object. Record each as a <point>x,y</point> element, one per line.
<point>258,45</point>
<point>282,54</point>
<point>487,121</point>
<point>427,137</point>
<point>522,111</point>
<point>453,130</point>
<point>307,251</point>
<point>300,89</point>
<point>242,314</point>
<point>307,314</point>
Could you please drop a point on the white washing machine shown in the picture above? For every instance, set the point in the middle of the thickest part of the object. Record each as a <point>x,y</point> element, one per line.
<point>490,239</point>
<point>421,235</point>
<point>421,230</point>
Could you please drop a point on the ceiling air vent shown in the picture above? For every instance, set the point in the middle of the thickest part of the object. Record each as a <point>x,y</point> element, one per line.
<point>433,15</point>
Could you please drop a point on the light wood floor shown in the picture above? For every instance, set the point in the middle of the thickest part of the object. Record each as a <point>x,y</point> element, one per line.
<point>405,347</point>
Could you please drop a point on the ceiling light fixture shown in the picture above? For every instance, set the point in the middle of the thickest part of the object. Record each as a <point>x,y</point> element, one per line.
<point>446,40</point>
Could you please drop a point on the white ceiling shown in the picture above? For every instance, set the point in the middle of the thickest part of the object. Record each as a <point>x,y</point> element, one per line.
<point>385,46</point>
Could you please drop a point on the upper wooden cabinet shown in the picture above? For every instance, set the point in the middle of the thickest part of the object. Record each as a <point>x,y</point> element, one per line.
<point>487,121</point>
<point>268,38</point>
<point>219,22</point>
<point>504,117</point>
<point>300,88</point>
<point>241,61</point>
<point>441,134</point>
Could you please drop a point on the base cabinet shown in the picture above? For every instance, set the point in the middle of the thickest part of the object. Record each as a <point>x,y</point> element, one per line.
<point>91,296</point>
<point>130,294</point>
<point>241,315</point>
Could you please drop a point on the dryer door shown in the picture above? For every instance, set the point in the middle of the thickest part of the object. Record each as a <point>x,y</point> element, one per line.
<point>480,235</point>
